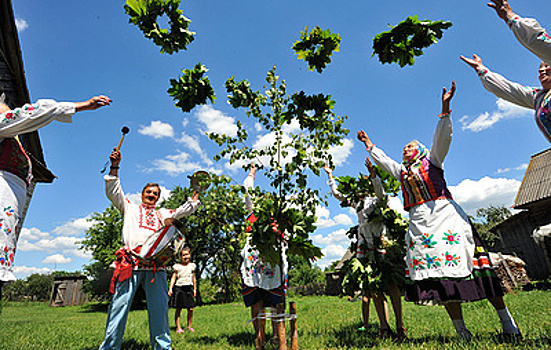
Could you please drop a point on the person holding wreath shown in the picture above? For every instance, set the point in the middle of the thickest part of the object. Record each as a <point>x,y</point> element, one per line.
<point>446,261</point>
<point>532,36</point>
<point>371,251</point>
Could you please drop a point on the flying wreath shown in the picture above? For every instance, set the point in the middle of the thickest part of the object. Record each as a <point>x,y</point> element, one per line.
<point>144,14</point>
<point>191,89</point>
<point>407,39</point>
<point>317,47</point>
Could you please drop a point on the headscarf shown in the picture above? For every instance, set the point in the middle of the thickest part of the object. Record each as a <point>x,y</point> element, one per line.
<point>420,152</point>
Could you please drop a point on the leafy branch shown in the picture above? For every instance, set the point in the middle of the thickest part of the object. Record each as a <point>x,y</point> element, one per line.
<point>317,47</point>
<point>407,39</point>
<point>192,88</point>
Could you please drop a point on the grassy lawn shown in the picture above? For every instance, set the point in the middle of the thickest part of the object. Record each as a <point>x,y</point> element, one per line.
<point>323,323</point>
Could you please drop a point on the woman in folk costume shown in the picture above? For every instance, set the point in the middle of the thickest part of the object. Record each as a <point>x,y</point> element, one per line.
<point>446,262</point>
<point>15,165</point>
<point>370,237</point>
<point>531,35</point>
<point>261,281</point>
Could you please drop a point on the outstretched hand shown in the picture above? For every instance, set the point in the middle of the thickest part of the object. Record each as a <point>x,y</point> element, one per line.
<point>447,97</point>
<point>502,9</point>
<point>93,103</point>
<point>370,168</point>
<point>115,157</point>
<point>328,170</point>
<point>475,62</point>
<point>362,137</point>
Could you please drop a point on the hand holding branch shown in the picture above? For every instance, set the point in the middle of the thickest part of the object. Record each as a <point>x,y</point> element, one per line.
<point>329,171</point>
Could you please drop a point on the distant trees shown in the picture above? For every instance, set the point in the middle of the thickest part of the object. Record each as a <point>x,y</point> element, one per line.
<point>489,218</point>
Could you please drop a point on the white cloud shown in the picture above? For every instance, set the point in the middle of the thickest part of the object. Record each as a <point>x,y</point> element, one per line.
<point>341,153</point>
<point>215,121</point>
<point>472,195</point>
<point>157,129</point>
<point>505,110</point>
<point>518,168</point>
<point>29,270</point>
<point>21,24</point>
<point>335,237</point>
<point>331,253</point>
<point>74,227</point>
<point>175,164</point>
<point>31,234</point>
<point>343,219</point>
<point>56,259</point>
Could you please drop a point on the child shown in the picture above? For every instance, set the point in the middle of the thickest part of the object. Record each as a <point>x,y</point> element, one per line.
<point>185,289</point>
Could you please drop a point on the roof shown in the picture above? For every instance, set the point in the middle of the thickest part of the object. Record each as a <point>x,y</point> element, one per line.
<point>536,185</point>
<point>14,85</point>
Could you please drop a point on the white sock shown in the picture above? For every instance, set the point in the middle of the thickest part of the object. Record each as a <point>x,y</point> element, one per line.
<point>507,322</point>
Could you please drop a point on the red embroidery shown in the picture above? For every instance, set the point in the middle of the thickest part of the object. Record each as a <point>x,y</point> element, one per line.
<point>150,218</point>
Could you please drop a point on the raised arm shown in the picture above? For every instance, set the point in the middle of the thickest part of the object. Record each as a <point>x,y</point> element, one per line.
<point>377,184</point>
<point>527,30</point>
<point>379,157</point>
<point>332,183</point>
<point>113,187</point>
<point>496,84</point>
<point>32,117</point>
<point>248,184</point>
<point>188,208</point>
<point>443,133</point>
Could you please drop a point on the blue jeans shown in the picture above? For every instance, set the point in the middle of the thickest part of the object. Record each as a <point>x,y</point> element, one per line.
<point>157,309</point>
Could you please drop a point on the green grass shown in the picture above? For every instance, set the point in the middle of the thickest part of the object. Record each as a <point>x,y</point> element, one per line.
<point>323,323</point>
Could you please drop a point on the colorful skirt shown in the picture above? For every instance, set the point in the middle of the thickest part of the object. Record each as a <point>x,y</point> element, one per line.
<point>182,298</point>
<point>482,283</point>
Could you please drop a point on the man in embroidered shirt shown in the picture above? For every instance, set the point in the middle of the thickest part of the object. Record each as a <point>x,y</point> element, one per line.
<point>15,165</point>
<point>140,221</point>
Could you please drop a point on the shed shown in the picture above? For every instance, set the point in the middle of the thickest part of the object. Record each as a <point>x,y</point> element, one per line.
<point>67,291</point>
<point>519,232</point>
<point>333,279</point>
<point>14,85</point>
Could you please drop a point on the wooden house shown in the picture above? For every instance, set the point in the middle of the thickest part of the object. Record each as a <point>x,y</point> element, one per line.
<point>525,234</point>
<point>67,291</point>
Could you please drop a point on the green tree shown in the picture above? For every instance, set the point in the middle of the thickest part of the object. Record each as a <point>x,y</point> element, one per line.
<point>212,230</point>
<point>102,240</point>
<point>302,272</point>
<point>490,217</point>
<point>289,205</point>
<point>40,286</point>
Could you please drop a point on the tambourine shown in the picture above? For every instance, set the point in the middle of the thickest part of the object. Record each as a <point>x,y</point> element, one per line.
<point>199,181</point>
<point>162,246</point>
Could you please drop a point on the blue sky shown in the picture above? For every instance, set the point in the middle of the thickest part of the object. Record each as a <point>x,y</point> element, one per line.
<point>76,49</point>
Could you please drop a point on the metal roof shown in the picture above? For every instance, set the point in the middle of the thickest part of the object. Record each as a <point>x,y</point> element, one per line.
<point>536,185</point>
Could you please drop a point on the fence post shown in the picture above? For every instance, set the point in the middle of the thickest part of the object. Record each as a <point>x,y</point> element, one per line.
<point>281,336</point>
<point>293,323</point>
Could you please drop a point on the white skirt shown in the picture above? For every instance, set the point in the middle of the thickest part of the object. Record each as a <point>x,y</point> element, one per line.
<point>439,241</point>
<point>13,191</point>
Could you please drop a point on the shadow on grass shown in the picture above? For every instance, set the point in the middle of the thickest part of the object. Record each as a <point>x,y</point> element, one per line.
<point>129,344</point>
<point>350,337</point>
<point>95,307</point>
<point>235,339</point>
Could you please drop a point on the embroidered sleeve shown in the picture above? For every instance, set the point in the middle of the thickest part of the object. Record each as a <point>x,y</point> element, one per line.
<point>186,209</point>
<point>333,185</point>
<point>510,91</point>
<point>32,117</point>
<point>441,141</point>
<point>114,192</point>
<point>388,164</point>
<point>532,36</point>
